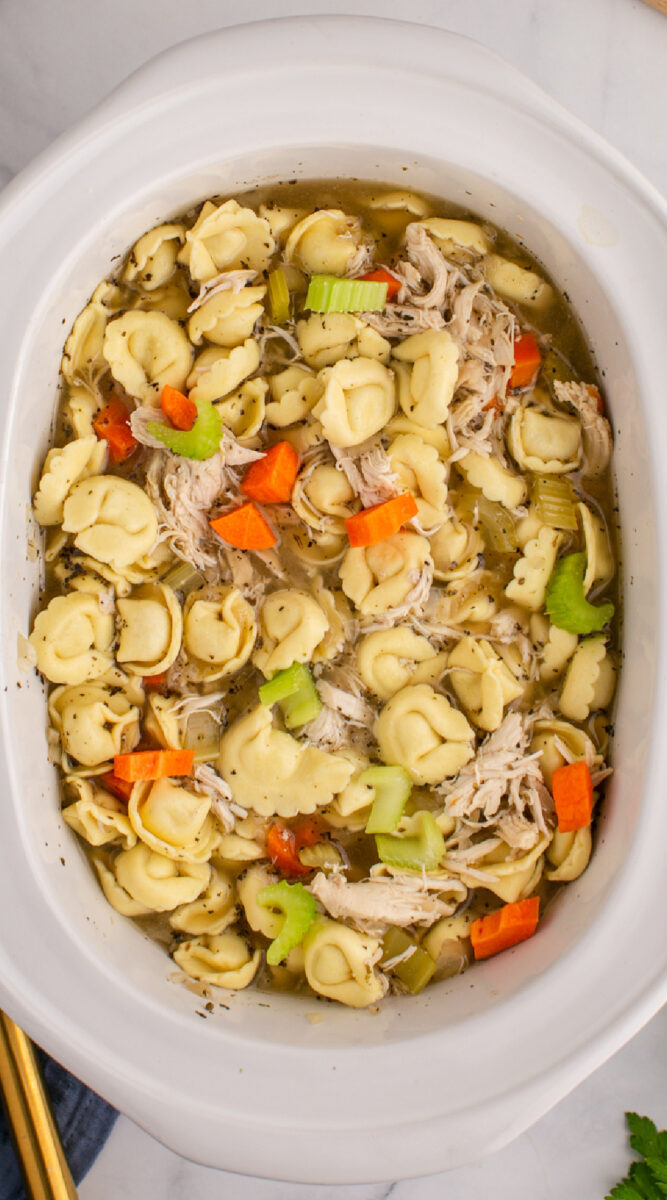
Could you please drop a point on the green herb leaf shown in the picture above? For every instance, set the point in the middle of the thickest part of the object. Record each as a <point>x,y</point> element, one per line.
<point>644,1137</point>
<point>645,1180</point>
<point>658,1166</point>
<point>641,1177</point>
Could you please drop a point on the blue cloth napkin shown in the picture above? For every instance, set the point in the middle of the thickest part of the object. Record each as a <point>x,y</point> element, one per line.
<point>84,1120</point>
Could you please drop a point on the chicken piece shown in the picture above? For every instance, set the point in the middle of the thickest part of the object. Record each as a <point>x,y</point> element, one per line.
<point>376,903</point>
<point>596,430</point>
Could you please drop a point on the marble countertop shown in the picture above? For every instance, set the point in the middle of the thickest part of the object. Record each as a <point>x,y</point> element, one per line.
<point>603,59</point>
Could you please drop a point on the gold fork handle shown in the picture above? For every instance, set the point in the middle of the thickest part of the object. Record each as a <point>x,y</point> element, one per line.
<point>30,1118</point>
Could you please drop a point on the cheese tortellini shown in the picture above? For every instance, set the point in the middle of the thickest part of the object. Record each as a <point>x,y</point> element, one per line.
<point>382,577</point>
<point>62,469</point>
<point>427,392</point>
<point>224,959</point>
<point>294,392</point>
<point>358,400</point>
<point>420,729</point>
<point>72,639</point>
<point>327,241</point>
<point>273,772</point>
<point>217,371</point>
<point>150,630</point>
<point>146,350</point>
<point>112,520</point>
<point>227,318</point>
<point>95,721</point>
<point>421,472</point>
<point>292,625</point>
<point>173,820</point>
<point>544,443</point>
<point>226,238</point>
<point>324,497</point>
<point>482,681</point>
<point>389,659</point>
<point>339,963</point>
<point>152,260</point>
<point>219,631</point>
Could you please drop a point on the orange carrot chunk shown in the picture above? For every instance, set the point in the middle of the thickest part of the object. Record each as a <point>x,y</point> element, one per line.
<point>177,408</point>
<point>511,924</point>
<point>572,789</point>
<point>270,479</point>
<point>154,681</point>
<point>374,524</point>
<point>244,528</point>
<point>527,360</point>
<point>119,788</point>
<point>382,275</point>
<point>153,764</point>
<point>112,424</point>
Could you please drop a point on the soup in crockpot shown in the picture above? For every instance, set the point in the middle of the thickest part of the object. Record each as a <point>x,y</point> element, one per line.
<point>330,589</point>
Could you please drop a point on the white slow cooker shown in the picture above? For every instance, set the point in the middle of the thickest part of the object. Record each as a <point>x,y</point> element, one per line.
<point>261,1085</point>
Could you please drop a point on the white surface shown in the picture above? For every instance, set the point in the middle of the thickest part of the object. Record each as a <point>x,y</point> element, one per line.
<point>602,60</point>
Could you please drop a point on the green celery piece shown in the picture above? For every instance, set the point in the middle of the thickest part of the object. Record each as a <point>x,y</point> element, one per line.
<point>284,684</point>
<point>183,578</point>
<point>497,524</point>
<point>392,787</point>
<point>299,909</point>
<point>554,502</point>
<point>329,294</point>
<point>279,297</point>
<point>303,705</point>
<point>566,604</point>
<point>414,972</point>
<point>202,441</point>
<point>423,850</point>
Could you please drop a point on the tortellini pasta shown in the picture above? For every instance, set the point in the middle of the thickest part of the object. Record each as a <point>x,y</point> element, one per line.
<point>218,371</point>
<point>326,339</point>
<point>323,497</point>
<point>569,854</point>
<point>112,520</point>
<point>260,918</point>
<point>62,469</point>
<point>482,681</point>
<point>339,963</point>
<point>150,630</point>
<point>421,472</point>
<point>453,236</point>
<point>173,821</point>
<point>274,773</point>
<point>243,411</point>
<point>292,625</point>
<point>219,631</point>
<point>225,960</point>
<point>227,318</point>
<point>389,659</point>
<point>224,238</point>
<point>420,729</point>
<point>589,681</point>
<point>212,911</point>
<point>294,392</point>
<point>83,349</point>
<point>555,646</point>
<point>493,479</point>
<point>152,259</point>
<point>533,569</point>
<point>510,877</point>
<point>326,241</point>
<point>599,560</point>
<point>158,883</point>
<point>427,392</point>
<point>97,816</point>
<point>95,721</point>
<point>517,283</point>
<point>455,548</point>
<point>382,577</point>
<point>146,350</point>
<point>558,742</point>
<point>544,443</point>
<point>358,400</point>
<point>72,639</point>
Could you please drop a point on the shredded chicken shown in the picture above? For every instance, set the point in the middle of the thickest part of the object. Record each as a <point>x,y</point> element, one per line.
<point>227,281</point>
<point>430,263</point>
<point>361,261</point>
<point>369,472</point>
<point>139,421</point>
<point>413,604</point>
<point>352,707</point>
<point>329,730</point>
<point>596,430</point>
<point>207,782</point>
<point>399,320</point>
<point>376,903</point>
<point>183,491</point>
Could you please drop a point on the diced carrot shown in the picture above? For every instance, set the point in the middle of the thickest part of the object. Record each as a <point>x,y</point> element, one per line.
<point>281,847</point>
<point>152,682</point>
<point>527,360</point>
<point>270,479</point>
<point>381,275</point>
<point>374,524</point>
<point>244,528</point>
<point>572,789</point>
<point>120,788</point>
<point>113,424</point>
<point>511,924</point>
<point>179,409</point>
<point>153,764</point>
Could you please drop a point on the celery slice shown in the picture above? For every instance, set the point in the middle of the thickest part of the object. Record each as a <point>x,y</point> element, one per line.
<point>554,502</point>
<point>295,691</point>
<point>183,577</point>
<point>423,850</point>
<point>328,294</point>
<point>202,441</point>
<point>392,787</point>
<point>299,909</point>
<point>284,684</point>
<point>415,970</point>
<point>279,302</point>
<point>566,604</point>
